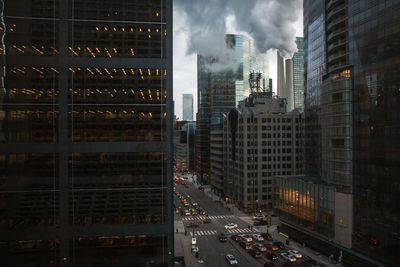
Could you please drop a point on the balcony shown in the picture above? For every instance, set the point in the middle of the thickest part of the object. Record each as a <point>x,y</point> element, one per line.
<point>335,11</point>
<point>338,66</point>
<point>336,44</point>
<point>335,34</point>
<point>337,56</point>
<point>332,3</point>
<point>335,23</point>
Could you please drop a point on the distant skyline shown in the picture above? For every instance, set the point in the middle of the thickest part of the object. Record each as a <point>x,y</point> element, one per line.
<point>185,66</point>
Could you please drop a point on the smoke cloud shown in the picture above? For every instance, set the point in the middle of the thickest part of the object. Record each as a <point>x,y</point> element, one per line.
<point>268,22</point>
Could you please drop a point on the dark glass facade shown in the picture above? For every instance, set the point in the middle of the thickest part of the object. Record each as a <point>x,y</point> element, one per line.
<point>86,133</point>
<point>374,43</point>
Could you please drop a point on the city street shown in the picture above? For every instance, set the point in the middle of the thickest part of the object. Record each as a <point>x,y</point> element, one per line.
<point>211,250</point>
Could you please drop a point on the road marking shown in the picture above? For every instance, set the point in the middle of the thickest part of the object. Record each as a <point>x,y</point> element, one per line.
<point>201,232</point>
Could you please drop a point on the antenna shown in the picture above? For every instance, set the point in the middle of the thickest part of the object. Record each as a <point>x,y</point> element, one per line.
<point>254,82</point>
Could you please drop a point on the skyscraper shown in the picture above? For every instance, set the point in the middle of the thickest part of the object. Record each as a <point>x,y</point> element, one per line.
<point>298,75</point>
<point>221,90</point>
<point>288,92</point>
<point>352,64</point>
<point>187,107</point>
<point>86,133</point>
<point>280,87</point>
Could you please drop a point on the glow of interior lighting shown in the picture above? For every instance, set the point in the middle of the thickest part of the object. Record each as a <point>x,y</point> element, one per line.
<point>157,30</point>
<point>37,50</point>
<point>133,73</point>
<point>70,48</point>
<point>149,36</point>
<point>157,14</point>
<point>133,53</point>
<point>157,72</point>
<point>97,28</point>
<point>140,29</point>
<point>165,32</point>
<point>115,50</point>
<point>105,28</point>
<point>98,50</point>
<point>123,70</point>
<point>149,72</point>
<point>90,51</point>
<point>114,29</point>
<point>91,72</point>
<point>132,91</point>
<point>140,70</point>
<point>72,70</point>
<point>99,71</point>
<point>108,53</point>
<point>131,29</point>
<point>123,29</point>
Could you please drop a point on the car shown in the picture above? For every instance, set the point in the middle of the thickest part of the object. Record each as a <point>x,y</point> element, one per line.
<point>236,237</point>
<point>230,226</point>
<point>245,245</point>
<point>231,259</point>
<point>256,254</point>
<point>279,245</point>
<point>193,225</point>
<point>222,237</point>
<point>201,188</point>
<point>259,223</point>
<point>288,257</point>
<point>187,213</point>
<point>207,220</point>
<point>267,236</point>
<point>202,212</point>
<point>247,238</point>
<point>186,204</point>
<point>194,241</point>
<point>258,238</point>
<point>295,253</point>
<point>271,246</point>
<point>310,262</point>
<point>195,248</point>
<point>194,212</point>
<point>260,247</point>
<point>269,264</point>
<point>258,217</point>
<point>271,256</point>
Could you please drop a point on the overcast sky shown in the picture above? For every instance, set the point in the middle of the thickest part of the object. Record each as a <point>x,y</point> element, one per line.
<point>185,64</point>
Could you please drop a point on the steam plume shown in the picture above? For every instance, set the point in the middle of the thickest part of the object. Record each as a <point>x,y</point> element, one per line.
<point>268,22</point>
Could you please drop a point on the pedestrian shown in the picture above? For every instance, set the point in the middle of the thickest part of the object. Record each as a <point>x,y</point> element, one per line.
<point>176,229</point>
<point>185,232</point>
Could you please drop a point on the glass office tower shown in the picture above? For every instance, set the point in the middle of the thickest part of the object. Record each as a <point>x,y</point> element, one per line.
<point>187,107</point>
<point>86,133</point>
<point>221,90</point>
<point>298,75</point>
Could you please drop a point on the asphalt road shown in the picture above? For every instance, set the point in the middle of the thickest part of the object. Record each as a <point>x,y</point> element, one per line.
<point>211,249</point>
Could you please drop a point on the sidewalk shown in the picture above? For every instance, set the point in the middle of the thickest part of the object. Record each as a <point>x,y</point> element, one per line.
<point>304,250</point>
<point>183,248</point>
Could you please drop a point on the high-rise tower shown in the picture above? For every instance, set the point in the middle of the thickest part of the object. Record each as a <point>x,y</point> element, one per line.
<point>86,133</point>
<point>187,107</point>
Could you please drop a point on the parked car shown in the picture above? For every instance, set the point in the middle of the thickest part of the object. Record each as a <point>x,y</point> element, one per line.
<point>260,247</point>
<point>295,253</point>
<point>236,237</point>
<point>256,254</point>
<point>288,257</point>
<point>271,256</point>
<point>231,259</point>
<point>230,226</point>
<point>258,237</point>
<point>279,245</point>
<point>222,237</point>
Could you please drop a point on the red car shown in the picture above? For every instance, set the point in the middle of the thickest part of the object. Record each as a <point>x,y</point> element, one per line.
<point>256,254</point>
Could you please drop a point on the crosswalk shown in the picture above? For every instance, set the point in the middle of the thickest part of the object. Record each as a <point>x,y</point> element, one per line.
<point>210,217</point>
<point>204,232</point>
<point>240,231</point>
<point>214,232</point>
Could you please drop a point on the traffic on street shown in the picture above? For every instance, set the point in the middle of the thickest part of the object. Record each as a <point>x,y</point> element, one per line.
<point>217,237</point>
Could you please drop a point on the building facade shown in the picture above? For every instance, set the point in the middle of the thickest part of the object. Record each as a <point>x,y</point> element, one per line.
<point>187,107</point>
<point>86,133</point>
<point>351,107</point>
<point>260,140</point>
<point>298,75</point>
<point>184,132</point>
<point>221,90</point>
<point>216,157</point>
